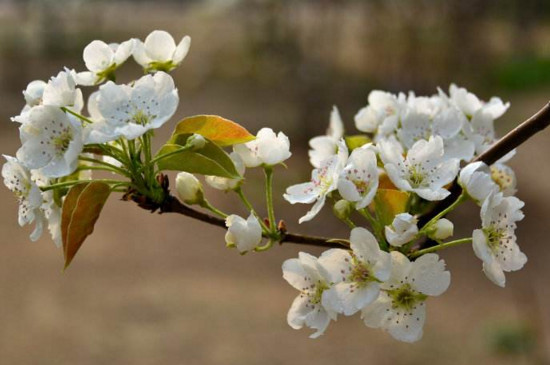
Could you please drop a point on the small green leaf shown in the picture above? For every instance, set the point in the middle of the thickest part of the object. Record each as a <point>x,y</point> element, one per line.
<point>221,131</point>
<point>81,209</point>
<point>356,141</point>
<point>209,160</point>
<point>388,203</point>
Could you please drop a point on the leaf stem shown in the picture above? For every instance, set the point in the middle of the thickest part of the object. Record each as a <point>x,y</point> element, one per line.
<point>269,198</point>
<point>250,208</point>
<point>461,198</point>
<point>206,205</point>
<point>440,247</point>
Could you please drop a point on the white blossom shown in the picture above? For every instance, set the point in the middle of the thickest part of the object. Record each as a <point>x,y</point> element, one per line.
<point>224,183</point>
<point>131,110</point>
<point>307,275</point>
<point>324,180</point>
<point>61,91</point>
<point>267,149</point>
<point>358,181</point>
<point>189,188</point>
<point>18,179</point>
<point>381,114</point>
<point>402,230</point>
<point>400,308</point>
<point>476,181</point>
<point>504,177</point>
<point>243,234</point>
<point>51,141</point>
<point>102,60</point>
<point>322,147</point>
<point>424,171</point>
<point>355,275</point>
<point>160,52</point>
<point>495,243</point>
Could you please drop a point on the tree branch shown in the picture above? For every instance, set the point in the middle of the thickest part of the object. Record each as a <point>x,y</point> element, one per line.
<point>173,205</point>
<point>513,139</point>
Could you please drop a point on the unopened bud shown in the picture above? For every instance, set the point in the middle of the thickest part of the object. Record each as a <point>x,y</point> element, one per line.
<point>189,188</point>
<point>442,229</point>
<point>196,142</point>
<point>342,209</point>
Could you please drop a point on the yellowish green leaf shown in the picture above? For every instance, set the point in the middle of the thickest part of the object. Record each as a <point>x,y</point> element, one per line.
<point>221,131</point>
<point>388,203</point>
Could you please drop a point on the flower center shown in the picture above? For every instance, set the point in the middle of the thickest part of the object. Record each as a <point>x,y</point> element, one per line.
<point>140,117</point>
<point>494,236</point>
<point>360,273</point>
<point>416,177</point>
<point>317,292</point>
<point>406,297</point>
<point>62,141</point>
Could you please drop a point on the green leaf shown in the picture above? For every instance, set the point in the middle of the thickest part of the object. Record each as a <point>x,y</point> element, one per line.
<point>81,209</point>
<point>388,203</point>
<point>356,141</point>
<point>208,160</point>
<point>221,131</point>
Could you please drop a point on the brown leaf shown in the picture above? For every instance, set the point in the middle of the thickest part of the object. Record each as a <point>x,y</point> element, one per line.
<point>81,209</point>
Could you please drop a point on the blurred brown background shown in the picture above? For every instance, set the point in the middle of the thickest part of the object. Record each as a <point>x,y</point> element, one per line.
<point>150,289</point>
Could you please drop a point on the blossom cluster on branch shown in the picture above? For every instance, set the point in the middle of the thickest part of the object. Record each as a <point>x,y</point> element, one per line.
<point>383,183</point>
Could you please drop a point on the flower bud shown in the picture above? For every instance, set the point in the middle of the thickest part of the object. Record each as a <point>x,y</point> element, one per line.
<point>243,234</point>
<point>189,188</point>
<point>196,142</point>
<point>442,229</point>
<point>342,209</point>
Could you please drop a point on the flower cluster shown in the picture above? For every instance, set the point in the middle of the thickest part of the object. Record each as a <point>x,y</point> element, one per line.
<point>393,177</point>
<point>58,141</point>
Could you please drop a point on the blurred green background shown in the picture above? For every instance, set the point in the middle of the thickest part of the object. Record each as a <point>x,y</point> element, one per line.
<point>151,289</point>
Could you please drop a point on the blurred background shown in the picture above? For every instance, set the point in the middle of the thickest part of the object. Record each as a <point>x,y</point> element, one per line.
<point>151,289</point>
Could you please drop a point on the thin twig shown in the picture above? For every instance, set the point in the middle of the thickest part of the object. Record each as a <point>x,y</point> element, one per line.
<point>513,139</point>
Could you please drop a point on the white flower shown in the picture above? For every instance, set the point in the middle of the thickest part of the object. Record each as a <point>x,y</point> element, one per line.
<point>325,146</point>
<point>243,234</point>
<point>424,171</point>
<point>470,103</point>
<point>495,243</point>
<point>61,91</point>
<point>382,112</point>
<point>442,229</point>
<point>267,149</point>
<point>324,180</point>
<point>33,93</point>
<point>51,141</point>
<point>189,188</point>
<point>224,183</point>
<point>504,177</point>
<point>308,276</point>
<point>476,181</point>
<point>131,110</point>
<point>358,181</point>
<point>159,52</point>
<point>402,230</point>
<point>400,308</point>
<point>102,60</point>
<point>356,275</point>
<point>18,179</point>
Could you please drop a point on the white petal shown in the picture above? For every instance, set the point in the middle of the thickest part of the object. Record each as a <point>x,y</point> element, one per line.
<point>407,326</point>
<point>429,276</point>
<point>123,51</point>
<point>160,46</point>
<point>315,209</point>
<point>304,193</point>
<point>338,263</point>
<point>348,298</point>
<point>494,272</point>
<point>98,56</point>
<point>336,126</point>
<point>182,49</point>
<point>139,54</point>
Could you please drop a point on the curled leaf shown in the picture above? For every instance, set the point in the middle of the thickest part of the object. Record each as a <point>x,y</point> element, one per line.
<point>221,131</point>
